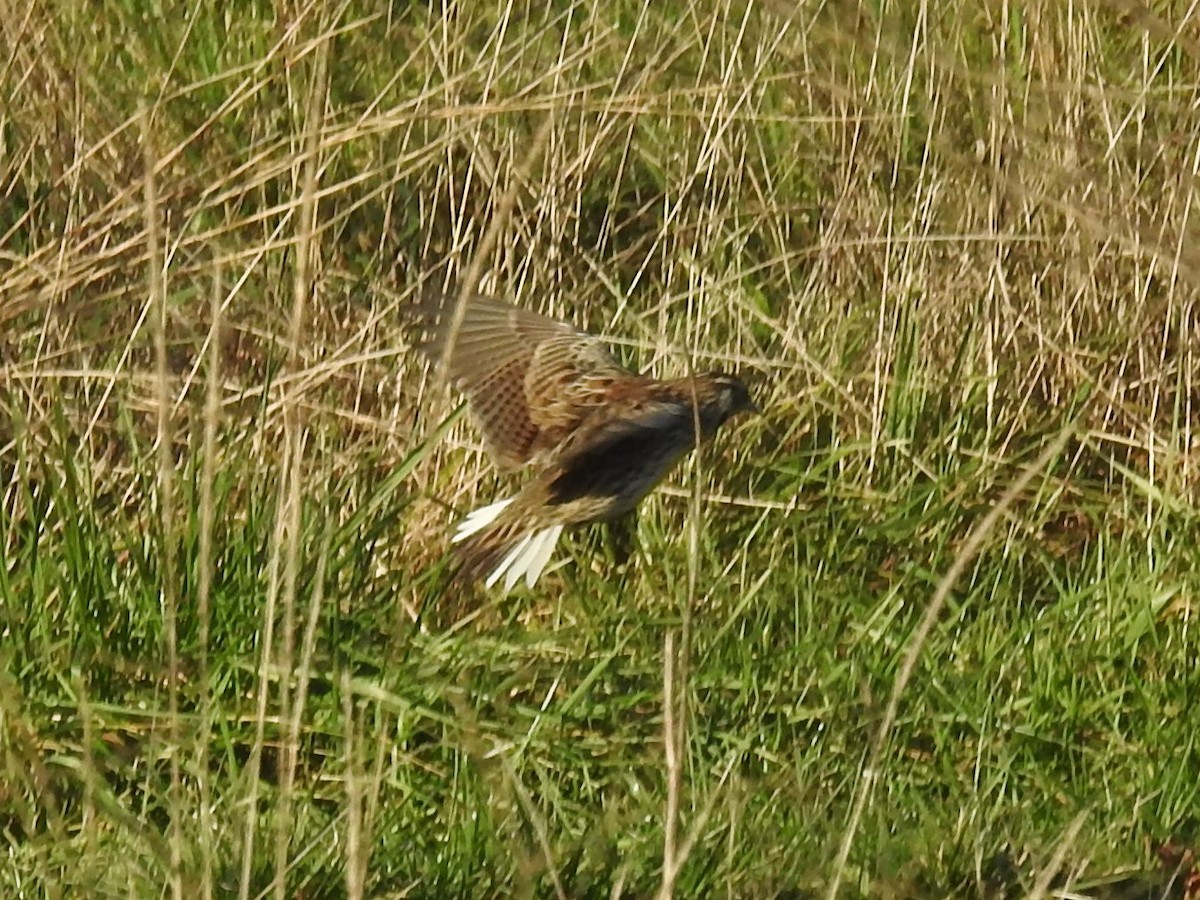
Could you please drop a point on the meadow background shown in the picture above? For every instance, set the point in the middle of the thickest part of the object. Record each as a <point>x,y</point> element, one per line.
<point>926,628</point>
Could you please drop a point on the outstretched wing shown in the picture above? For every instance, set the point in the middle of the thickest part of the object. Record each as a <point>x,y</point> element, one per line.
<point>530,379</point>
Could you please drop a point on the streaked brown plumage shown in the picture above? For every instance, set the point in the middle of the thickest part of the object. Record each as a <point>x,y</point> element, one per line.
<point>545,393</point>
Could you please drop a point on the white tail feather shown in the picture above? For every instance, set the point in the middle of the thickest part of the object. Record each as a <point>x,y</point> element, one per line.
<point>509,566</point>
<point>527,557</point>
<point>479,519</point>
<point>539,553</point>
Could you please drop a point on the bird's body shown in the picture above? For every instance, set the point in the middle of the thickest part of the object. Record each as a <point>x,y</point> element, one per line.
<point>546,393</point>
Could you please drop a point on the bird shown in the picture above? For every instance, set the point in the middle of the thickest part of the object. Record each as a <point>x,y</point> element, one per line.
<point>546,395</point>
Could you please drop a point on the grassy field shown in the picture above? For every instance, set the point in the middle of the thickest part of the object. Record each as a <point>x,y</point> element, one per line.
<point>926,628</point>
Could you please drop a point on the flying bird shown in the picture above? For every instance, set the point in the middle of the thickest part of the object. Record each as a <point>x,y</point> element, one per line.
<point>547,395</point>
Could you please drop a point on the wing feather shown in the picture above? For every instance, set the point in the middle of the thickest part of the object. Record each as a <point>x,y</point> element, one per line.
<point>622,457</point>
<point>530,379</point>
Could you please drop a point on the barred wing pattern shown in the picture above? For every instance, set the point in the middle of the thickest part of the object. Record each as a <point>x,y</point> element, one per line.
<point>530,379</point>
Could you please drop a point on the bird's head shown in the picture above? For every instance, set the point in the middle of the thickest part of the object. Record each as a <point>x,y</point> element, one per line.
<point>728,397</point>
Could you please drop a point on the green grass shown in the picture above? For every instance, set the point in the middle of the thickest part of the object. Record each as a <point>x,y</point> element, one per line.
<point>889,640</point>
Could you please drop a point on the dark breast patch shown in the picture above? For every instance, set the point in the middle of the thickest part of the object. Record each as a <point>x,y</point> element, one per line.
<point>625,458</point>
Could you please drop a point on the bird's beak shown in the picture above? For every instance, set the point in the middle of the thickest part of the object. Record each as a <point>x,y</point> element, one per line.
<point>751,407</point>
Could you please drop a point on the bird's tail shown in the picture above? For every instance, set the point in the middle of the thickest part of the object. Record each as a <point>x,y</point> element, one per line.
<point>493,546</point>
